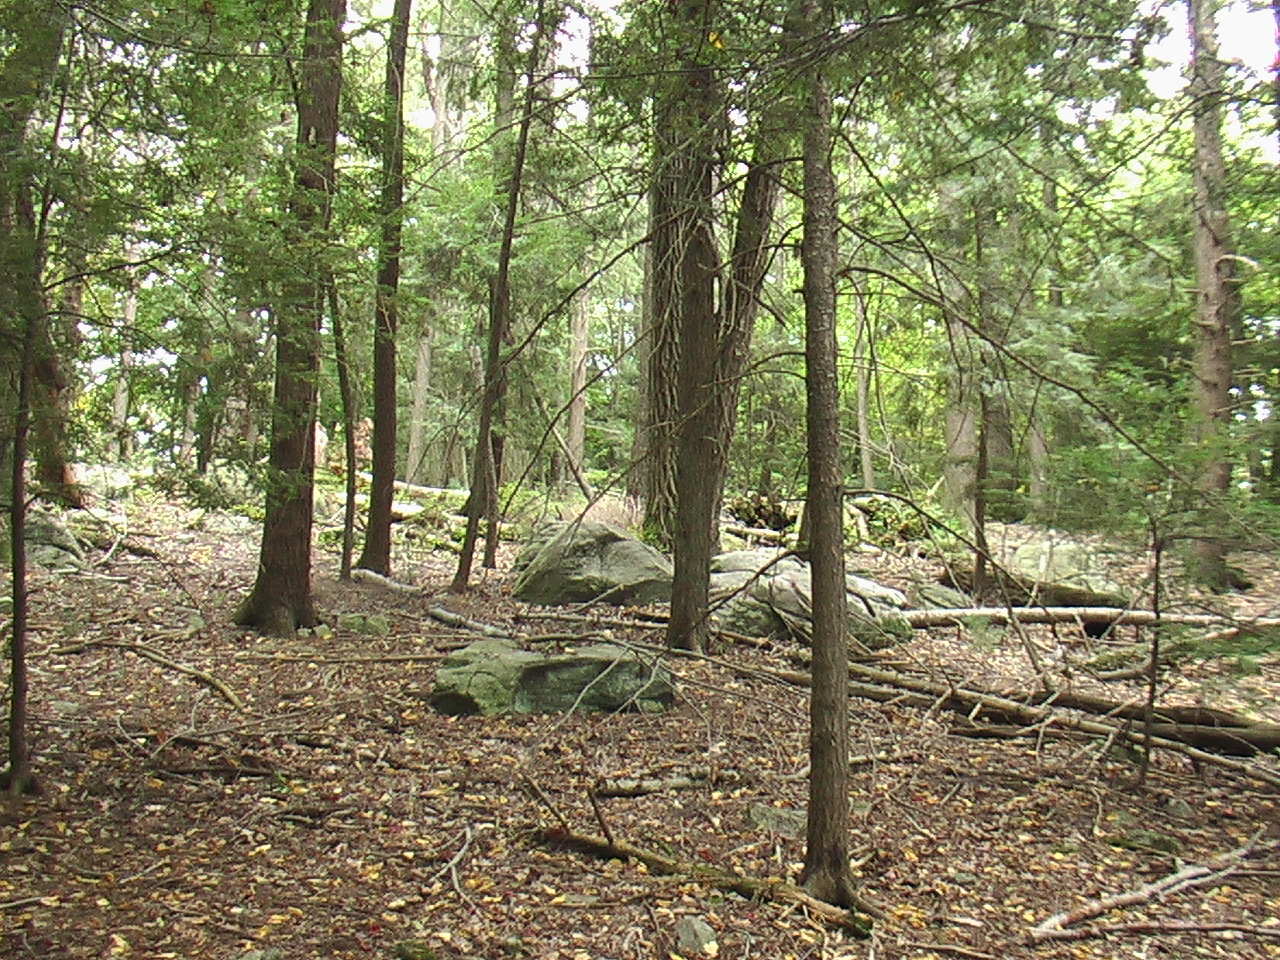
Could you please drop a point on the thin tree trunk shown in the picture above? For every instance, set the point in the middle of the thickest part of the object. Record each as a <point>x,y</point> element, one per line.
<point>376,555</point>
<point>415,468</point>
<point>826,873</point>
<point>346,396</point>
<point>1217,298</point>
<point>862,363</point>
<point>120,400</point>
<point>281,600</point>
<point>576,428</point>
<point>485,477</point>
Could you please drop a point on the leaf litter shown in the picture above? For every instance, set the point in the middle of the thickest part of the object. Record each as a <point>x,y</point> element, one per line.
<point>336,815</point>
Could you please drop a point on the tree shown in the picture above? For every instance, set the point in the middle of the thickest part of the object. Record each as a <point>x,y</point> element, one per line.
<point>281,600</point>
<point>487,465</point>
<point>1217,294</point>
<point>377,543</point>
<point>36,34</point>
<point>688,141</point>
<point>826,865</point>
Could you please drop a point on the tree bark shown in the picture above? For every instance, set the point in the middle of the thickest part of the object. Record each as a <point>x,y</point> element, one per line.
<point>35,33</point>
<point>826,873</point>
<point>281,599</point>
<point>689,122</point>
<point>376,555</point>
<point>576,427</point>
<point>1217,296</point>
<point>415,468</point>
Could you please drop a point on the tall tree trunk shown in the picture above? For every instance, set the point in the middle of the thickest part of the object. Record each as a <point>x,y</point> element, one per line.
<point>1217,297</point>
<point>486,467</point>
<point>655,455</point>
<point>347,400</point>
<point>826,873</point>
<point>34,43</point>
<point>690,127</point>
<point>579,340</point>
<point>122,435</point>
<point>376,555</point>
<point>281,599</point>
<point>415,467</point>
<point>863,366</point>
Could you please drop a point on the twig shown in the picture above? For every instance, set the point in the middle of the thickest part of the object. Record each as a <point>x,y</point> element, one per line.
<point>1191,875</point>
<point>958,950</point>
<point>776,890</point>
<point>594,797</point>
<point>322,658</point>
<point>154,655</point>
<point>542,797</point>
<point>452,865</point>
<point>1165,926</point>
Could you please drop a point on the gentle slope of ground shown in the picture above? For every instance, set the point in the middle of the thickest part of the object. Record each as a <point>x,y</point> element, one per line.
<point>334,815</point>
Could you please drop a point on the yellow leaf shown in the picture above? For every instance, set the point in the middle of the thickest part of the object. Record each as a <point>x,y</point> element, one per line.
<point>714,39</point>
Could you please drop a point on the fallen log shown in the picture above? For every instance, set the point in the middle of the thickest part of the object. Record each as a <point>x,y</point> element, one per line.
<point>887,686</point>
<point>1116,616</point>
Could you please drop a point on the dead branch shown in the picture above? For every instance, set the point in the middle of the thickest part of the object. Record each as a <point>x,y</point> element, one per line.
<point>323,658</point>
<point>953,616</point>
<point>1185,878</point>
<point>368,576</point>
<point>1166,926</point>
<point>954,948</point>
<point>778,891</point>
<point>757,533</point>
<point>451,619</point>
<point>154,655</point>
<point>887,686</point>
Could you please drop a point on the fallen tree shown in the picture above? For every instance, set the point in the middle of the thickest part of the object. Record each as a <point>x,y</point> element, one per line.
<point>1114,616</point>
<point>1042,713</point>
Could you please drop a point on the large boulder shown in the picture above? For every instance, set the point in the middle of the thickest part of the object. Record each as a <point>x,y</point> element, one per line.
<point>762,594</point>
<point>579,562</point>
<point>1060,572</point>
<point>496,676</point>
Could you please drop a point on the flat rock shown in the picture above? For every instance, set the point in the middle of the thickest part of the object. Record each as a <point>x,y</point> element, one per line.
<point>491,677</point>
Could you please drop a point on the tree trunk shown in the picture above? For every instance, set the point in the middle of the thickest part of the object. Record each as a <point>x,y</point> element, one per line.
<point>122,436</point>
<point>863,363</point>
<point>415,468</point>
<point>690,133</point>
<point>826,874</point>
<point>376,555</point>
<point>281,599</point>
<point>35,35</point>
<point>486,469</point>
<point>347,399</point>
<point>661,343</point>
<point>1217,297</point>
<point>579,341</point>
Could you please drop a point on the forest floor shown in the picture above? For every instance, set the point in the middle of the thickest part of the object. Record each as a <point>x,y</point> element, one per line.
<point>332,813</point>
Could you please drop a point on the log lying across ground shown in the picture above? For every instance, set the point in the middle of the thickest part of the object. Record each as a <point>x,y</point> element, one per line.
<point>1195,741</point>
<point>946,617</point>
<point>1048,712</point>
